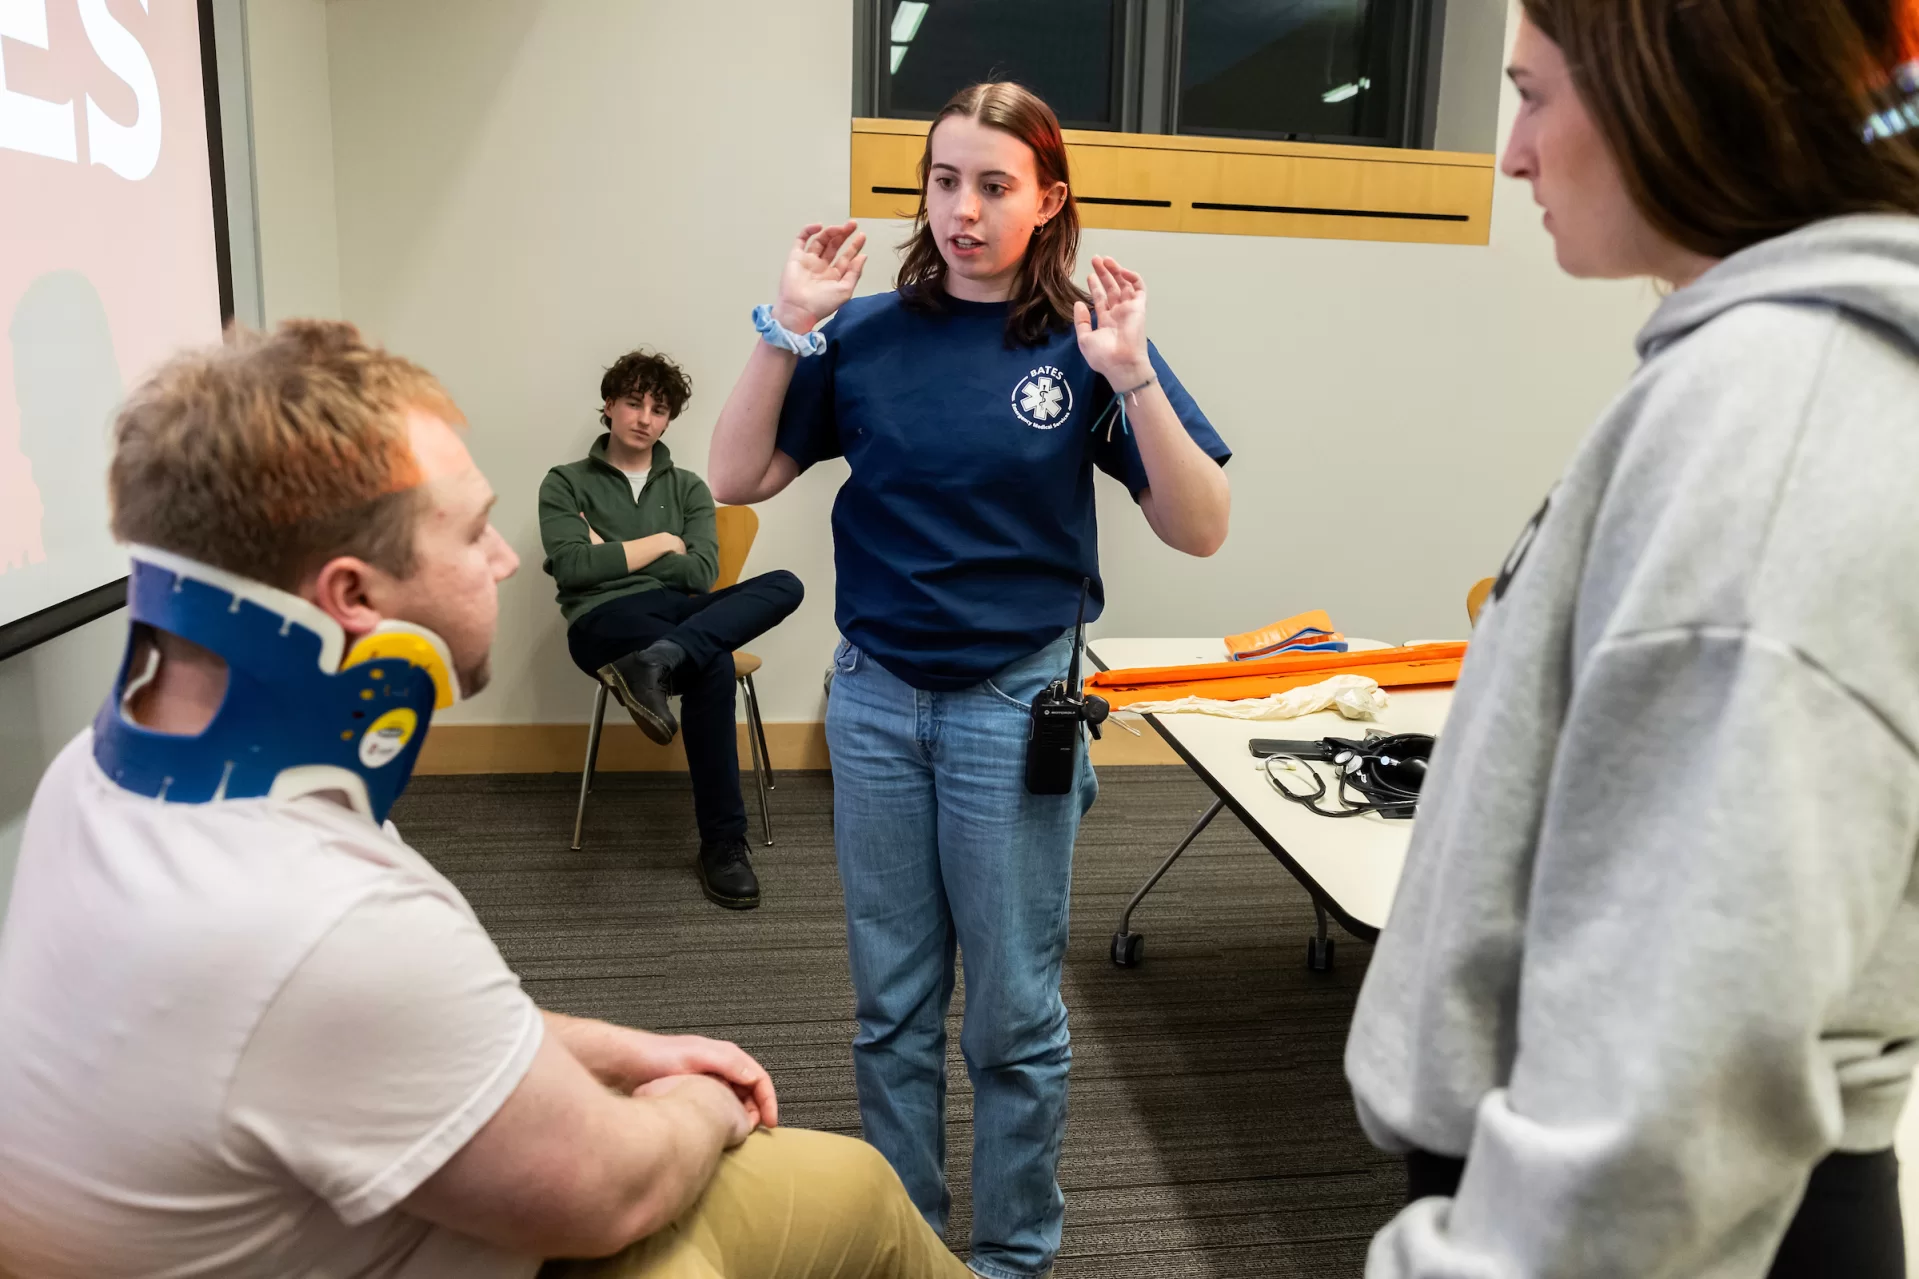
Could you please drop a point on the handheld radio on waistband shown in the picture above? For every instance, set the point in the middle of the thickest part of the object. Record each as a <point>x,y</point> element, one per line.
<point>1052,745</point>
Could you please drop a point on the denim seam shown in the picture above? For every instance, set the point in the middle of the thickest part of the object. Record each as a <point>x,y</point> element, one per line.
<point>926,724</point>
<point>1006,697</point>
<point>994,1272</point>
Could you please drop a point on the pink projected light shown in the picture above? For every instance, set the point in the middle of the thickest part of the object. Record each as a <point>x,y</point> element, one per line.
<point>109,262</point>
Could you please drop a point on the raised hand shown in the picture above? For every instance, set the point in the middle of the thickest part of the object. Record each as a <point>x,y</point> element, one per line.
<point>820,275</point>
<point>1116,350</point>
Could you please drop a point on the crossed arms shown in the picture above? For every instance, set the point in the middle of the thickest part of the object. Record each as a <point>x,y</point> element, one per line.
<point>612,1135</point>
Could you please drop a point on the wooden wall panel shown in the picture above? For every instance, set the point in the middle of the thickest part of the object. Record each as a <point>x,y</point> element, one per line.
<point>1223,186</point>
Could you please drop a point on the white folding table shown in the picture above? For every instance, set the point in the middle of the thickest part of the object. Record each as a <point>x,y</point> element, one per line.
<point>1349,866</point>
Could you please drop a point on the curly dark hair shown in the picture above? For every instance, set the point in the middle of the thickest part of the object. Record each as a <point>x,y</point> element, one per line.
<point>642,373</point>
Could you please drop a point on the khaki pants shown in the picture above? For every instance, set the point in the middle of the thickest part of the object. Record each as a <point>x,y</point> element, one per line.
<point>788,1204</point>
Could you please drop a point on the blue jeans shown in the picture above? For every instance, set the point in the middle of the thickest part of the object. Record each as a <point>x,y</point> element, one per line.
<point>941,845</point>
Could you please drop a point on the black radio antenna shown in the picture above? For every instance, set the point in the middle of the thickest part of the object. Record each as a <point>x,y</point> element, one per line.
<point>1079,638</point>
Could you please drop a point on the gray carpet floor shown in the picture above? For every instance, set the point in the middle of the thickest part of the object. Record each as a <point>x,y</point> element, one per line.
<point>1212,1133</point>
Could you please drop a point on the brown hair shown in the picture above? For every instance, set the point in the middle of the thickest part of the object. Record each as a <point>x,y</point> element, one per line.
<point>642,373</point>
<point>272,454</point>
<point>1734,121</point>
<point>1044,294</point>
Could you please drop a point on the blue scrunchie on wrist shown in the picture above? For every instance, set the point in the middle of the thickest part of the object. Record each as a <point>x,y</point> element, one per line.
<point>773,333</point>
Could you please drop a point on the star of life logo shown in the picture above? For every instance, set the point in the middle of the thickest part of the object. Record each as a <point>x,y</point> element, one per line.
<point>1042,399</point>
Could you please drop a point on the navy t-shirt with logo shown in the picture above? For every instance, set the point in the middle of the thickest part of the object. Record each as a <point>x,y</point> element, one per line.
<point>967,525</point>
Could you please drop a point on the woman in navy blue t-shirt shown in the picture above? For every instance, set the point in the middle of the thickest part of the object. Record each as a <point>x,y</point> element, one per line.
<point>973,405</point>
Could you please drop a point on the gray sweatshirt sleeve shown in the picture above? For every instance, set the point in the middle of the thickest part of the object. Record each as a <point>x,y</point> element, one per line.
<point>1728,832</point>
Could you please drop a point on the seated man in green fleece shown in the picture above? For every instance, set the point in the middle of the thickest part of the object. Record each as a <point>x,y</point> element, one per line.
<point>630,541</point>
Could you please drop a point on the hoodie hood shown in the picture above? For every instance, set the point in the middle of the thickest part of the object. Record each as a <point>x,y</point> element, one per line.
<point>1866,264</point>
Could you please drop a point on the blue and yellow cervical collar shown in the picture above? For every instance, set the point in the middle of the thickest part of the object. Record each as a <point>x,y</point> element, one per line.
<point>302,712</point>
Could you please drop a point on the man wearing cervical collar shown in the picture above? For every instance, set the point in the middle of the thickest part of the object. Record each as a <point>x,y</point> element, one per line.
<point>244,1029</point>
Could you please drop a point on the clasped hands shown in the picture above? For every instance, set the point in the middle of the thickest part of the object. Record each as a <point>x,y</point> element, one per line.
<point>643,1064</point>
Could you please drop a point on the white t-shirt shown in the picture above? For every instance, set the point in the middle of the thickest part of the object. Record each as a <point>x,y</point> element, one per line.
<point>638,480</point>
<point>233,1036</point>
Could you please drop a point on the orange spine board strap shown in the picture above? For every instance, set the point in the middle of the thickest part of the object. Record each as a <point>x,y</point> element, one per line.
<point>1233,681</point>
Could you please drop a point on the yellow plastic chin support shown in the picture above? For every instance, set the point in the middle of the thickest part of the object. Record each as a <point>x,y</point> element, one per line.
<point>414,645</point>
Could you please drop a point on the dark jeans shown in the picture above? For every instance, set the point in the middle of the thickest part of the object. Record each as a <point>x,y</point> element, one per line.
<point>707,628</point>
<point>1847,1225</point>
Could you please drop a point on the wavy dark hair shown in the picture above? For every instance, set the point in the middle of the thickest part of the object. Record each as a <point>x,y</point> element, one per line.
<point>1734,121</point>
<point>1043,295</point>
<point>642,373</point>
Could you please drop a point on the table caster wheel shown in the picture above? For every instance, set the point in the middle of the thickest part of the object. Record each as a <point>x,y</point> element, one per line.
<point>1128,949</point>
<point>1319,954</point>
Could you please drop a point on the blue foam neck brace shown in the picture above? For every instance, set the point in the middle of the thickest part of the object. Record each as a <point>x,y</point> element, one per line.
<point>303,712</point>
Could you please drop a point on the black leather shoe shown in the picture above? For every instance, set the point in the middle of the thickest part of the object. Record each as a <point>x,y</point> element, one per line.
<point>642,685</point>
<point>726,875</point>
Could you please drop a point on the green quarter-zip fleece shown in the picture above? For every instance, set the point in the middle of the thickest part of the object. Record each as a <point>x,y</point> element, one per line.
<point>588,574</point>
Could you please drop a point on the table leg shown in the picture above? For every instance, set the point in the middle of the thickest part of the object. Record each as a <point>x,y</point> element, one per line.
<point>1319,947</point>
<point>1128,946</point>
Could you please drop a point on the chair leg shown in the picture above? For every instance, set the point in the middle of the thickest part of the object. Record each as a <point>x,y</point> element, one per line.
<point>759,765</point>
<point>759,729</point>
<point>592,763</point>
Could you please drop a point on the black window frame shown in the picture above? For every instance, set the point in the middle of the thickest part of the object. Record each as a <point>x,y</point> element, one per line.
<point>1147,72</point>
<point>874,38</point>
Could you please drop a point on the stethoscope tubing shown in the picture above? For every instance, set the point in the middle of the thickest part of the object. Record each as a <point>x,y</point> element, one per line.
<point>1369,794</point>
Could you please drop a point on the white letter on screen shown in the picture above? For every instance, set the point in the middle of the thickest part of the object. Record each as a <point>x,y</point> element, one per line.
<point>27,123</point>
<point>130,150</point>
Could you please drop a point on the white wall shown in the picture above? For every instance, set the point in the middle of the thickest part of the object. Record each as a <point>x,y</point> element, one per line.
<point>525,190</point>
<point>293,157</point>
<point>47,694</point>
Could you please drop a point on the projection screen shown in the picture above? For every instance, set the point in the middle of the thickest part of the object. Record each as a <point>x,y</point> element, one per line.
<point>110,260</point>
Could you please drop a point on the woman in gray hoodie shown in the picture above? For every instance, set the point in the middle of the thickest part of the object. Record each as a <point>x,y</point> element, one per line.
<point>1648,1001</point>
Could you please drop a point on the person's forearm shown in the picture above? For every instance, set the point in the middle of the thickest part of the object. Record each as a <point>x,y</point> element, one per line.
<point>677,1146</point>
<point>642,551</point>
<point>659,1154</point>
<point>673,1142</point>
<point>595,1045</point>
<point>745,435</point>
<point>1191,500</point>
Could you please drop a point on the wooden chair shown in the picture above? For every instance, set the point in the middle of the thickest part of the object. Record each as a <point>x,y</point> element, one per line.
<point>737,527</point>
<point>1476,599</point>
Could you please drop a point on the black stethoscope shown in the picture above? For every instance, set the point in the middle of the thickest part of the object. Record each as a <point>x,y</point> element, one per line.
<point>1377,774</point>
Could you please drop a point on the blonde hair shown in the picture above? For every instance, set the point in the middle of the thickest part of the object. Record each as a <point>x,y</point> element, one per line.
<point>274,453</point>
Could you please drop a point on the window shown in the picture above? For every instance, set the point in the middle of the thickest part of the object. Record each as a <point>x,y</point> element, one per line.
<point>1308,69</point>
<point>1341,71</point>
<point>1064,50</point>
